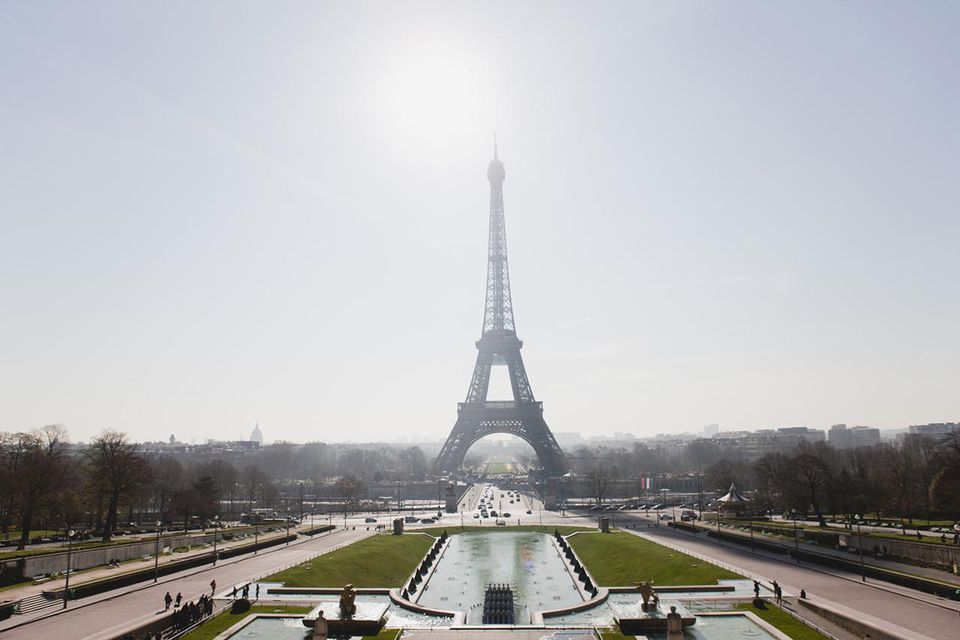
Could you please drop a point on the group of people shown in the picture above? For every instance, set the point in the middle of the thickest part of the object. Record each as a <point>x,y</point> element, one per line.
<point>186,615</point>
<point>777,591</point>
<point>245,592</point>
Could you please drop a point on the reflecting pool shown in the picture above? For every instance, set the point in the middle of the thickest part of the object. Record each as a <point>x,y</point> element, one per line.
<point>526,560</point>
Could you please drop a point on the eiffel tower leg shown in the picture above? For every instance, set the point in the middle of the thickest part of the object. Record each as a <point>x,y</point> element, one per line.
<point>455,448</point>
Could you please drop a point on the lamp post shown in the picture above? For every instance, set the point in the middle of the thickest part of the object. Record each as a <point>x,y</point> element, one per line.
<point>288,531</point>
<point>66,587</point>
<point>700,494</point>
<point>216,525</point>
<point>256,536</point>
<point>796,536</point>
<point>301,503</point>
<point>863,569</point>
<point>156,559</point>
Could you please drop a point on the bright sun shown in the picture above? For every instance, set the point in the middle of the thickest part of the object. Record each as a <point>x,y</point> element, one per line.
<point>433,97</point>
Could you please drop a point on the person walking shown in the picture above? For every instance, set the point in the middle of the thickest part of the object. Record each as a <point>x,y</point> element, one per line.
<point>756,588</point>
<point>167,599</point>
<point>213,587</point>
<point>258,591</point>
<point>176,603</point>
<point>234,592</point>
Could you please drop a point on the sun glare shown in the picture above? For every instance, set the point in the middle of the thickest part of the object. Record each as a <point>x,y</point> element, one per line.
<point>433,97</point>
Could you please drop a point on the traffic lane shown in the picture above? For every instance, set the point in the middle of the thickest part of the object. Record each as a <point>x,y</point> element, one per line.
<point>110,617</point>
<point>841,588</point>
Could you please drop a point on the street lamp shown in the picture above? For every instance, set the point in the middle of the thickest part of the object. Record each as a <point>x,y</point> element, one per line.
<point>863,569</point>
<point>796,536</point>
<point>156,558</point>
<point>256,535</point>
<point>216,525</point>
<point>301,503</point>
<point>66,587</point>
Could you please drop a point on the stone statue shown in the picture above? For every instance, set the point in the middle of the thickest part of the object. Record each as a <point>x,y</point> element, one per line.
<point>320,628</point>
<point>647,593</point>
<point>347,606</point>
<point>674,625</point>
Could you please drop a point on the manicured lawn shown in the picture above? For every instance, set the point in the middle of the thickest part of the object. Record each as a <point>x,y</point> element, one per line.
<point>784,622</point>
<point>381,561</point>
<point>613,634</point>
<point>212,628</point>
<point>385,634</point>
<point>622,559</point>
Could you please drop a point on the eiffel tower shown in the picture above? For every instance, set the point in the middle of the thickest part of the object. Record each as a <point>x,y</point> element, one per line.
<point>499,346</point>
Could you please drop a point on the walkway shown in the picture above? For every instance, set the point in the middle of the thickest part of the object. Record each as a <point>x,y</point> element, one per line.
<point>111,614</point>
<point>885,605</point>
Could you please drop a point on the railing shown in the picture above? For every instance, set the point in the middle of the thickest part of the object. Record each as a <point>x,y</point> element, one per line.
<point>170,633</point>
<point>813,626</point>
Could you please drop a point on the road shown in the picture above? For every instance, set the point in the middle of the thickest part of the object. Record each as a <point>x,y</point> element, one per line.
<point>888,605</point>
<point>107,615</point>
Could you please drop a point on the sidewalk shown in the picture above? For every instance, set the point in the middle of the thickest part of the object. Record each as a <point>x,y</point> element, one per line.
<point>90,575</point>
<point>868,559</point>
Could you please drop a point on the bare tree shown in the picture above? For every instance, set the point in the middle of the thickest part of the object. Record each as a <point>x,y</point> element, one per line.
<point>117,471</point>
<point>32,462</point>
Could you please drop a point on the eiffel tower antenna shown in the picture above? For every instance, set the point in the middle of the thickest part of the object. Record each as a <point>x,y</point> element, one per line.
<point>499,346</point>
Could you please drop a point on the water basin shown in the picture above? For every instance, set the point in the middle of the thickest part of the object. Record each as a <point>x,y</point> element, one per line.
<point>526,560</point>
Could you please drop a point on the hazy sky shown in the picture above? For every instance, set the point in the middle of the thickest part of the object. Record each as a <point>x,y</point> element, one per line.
<point>216,213</point>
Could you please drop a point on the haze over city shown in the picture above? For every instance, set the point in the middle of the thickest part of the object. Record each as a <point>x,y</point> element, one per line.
<point>741,214</point>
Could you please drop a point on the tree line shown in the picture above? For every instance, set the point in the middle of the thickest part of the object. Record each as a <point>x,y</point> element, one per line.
<point>109,482</point>
<point>916,478</point>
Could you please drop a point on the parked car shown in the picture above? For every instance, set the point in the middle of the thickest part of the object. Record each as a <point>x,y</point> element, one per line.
<point>529,512</point>
<point>370,519</point>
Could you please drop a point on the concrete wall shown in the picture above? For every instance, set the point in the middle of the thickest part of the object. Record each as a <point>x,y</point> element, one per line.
<point>931,555</point>
<point>86,558</point>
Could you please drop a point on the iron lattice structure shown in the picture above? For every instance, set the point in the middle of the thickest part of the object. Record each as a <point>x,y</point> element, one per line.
<point>499,346</point>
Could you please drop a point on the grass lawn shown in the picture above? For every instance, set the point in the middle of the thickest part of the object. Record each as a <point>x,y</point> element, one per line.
<point>622,559</point>
<point>613,634</point>
<point>784,622</point>
<point>380,561</point>
<point>219,624</point>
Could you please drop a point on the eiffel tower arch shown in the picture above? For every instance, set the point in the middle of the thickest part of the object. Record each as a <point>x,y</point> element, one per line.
<point>499,346</point>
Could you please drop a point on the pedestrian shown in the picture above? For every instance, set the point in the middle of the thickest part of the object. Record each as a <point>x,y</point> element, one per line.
<point>756,588</point>
<point>176,603</point>
<point>803,594</point>
<point>213,586</point>
<point>234,594</point>
<point>167,599</point>
<point>258,591</point>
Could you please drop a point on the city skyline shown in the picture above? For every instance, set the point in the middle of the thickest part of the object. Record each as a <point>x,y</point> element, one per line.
<point>740,215</point>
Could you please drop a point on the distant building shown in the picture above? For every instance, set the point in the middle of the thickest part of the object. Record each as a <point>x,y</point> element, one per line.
<point>841,437</point>
<point>865,436</point>
<point>933,432</point>
<point>257,435</point>
<point>711,430</point>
